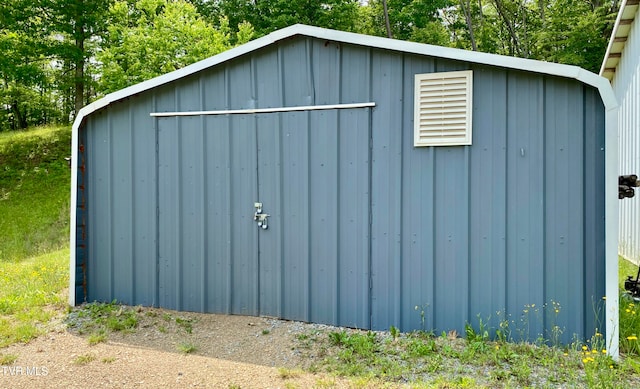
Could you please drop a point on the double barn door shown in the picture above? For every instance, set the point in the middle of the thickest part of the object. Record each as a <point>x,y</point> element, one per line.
<point>309,259</point>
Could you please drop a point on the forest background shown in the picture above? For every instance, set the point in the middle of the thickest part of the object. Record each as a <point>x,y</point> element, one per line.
<point>58,55</point>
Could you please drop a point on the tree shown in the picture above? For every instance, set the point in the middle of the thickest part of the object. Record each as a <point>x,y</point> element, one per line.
<point>572,32</point>
<point>576,32</point>
<point>414,20</point>
<point>268,16</point>
<point>147,38</point>
<point>25,85</point>
<point>73,26</point>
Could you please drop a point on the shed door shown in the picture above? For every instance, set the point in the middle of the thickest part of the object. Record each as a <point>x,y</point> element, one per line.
<point>310,171</point>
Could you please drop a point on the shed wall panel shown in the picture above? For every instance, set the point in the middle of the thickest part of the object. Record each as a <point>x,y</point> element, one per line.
<point>525,199</point>
<point>218,177</point>
<point>594,205</point>
<point>269,193</point>
<point>122,201</point>
<point>353,272</point>
<point>418,227</point>
<point>488,185</point>
<point>324,228</point>
<point>99,262</point>
<point>386,188</point>
<point>244,264</point>
<point>144,202</point>
<point>296,192</point>
<point>564,244</point>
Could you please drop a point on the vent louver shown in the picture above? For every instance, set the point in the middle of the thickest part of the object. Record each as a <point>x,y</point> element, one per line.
<point>443,108</point>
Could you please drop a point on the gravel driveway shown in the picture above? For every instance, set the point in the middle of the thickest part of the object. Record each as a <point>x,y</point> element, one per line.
<point>230,352</point>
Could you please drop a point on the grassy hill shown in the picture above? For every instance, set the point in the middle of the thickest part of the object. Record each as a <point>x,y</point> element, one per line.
<point>34,230</point>
<point>34,192</point>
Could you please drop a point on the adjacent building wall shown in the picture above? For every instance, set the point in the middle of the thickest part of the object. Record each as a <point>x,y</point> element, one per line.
<point>626,86</point>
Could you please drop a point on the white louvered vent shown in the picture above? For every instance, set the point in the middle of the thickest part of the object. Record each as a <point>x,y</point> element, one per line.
<point>442,113</point>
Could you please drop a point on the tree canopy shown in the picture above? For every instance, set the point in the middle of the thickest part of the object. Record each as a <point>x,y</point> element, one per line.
<point>58,55</point>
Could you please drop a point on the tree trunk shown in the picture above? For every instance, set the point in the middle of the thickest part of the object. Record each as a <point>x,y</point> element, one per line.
<point>514,48</point>
<point>386,18</point>
<point>79,74</point>
<point>466,8</point>
<point>20,119</point>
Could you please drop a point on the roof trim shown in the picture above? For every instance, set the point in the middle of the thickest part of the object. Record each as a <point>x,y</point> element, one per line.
<point>617,41</point>
<point>364,40</point>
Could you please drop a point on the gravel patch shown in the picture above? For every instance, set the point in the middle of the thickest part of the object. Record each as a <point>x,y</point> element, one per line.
<point>229,352</point>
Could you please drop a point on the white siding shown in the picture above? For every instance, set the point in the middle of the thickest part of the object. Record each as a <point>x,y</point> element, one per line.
<point>626,86</point>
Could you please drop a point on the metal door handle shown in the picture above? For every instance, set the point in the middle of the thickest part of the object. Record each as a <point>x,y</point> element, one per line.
<point>260,217</point>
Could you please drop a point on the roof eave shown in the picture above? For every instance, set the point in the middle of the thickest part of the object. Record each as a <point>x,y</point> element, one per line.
<point>628,11</point>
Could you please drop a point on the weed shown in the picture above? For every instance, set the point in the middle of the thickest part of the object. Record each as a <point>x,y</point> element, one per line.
<point>338,338</point>
<point>629,325</point>
<point>419,347</point>
<point>108,359</point>
<point>422,308</point>
<point>103,318</point>
<point>266,331</point>
<point>394,331</point>
<point>187,347</point>
<point>186,324</point>
<point>99,337</point>
<point>289,373</point>
<point>7,359</point>
<point>84,359</point>
<point>326,382</point>
<point>555,332</point>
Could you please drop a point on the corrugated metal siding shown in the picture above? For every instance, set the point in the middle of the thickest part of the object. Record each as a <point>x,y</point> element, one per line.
<point>365,230</point>
<point>626,86</point>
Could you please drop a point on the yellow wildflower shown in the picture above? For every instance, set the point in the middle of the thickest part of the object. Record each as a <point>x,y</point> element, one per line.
<point>632,337</point>
<point>585,348</point>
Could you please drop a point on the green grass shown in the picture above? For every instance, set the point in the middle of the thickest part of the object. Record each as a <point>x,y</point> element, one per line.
<point>625,269</point>
<point>629,313</point>
<point>99,319</point>
<point>187,347</point>
<point>429,361</point>
<point>31,294</point>
<point>34,192</point>
<point>34,230</point>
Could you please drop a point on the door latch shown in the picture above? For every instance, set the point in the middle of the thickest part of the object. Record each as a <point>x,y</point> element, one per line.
<point>260,217</point>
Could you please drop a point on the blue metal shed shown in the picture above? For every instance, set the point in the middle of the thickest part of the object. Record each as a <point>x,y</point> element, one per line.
<point>332,177</point>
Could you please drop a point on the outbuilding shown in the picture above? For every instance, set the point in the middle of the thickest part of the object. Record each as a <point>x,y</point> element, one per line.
<point>359,181</point>
<point>621,65</point>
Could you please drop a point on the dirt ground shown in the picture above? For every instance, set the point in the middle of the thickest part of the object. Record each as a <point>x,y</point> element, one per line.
<point>230,352</point>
